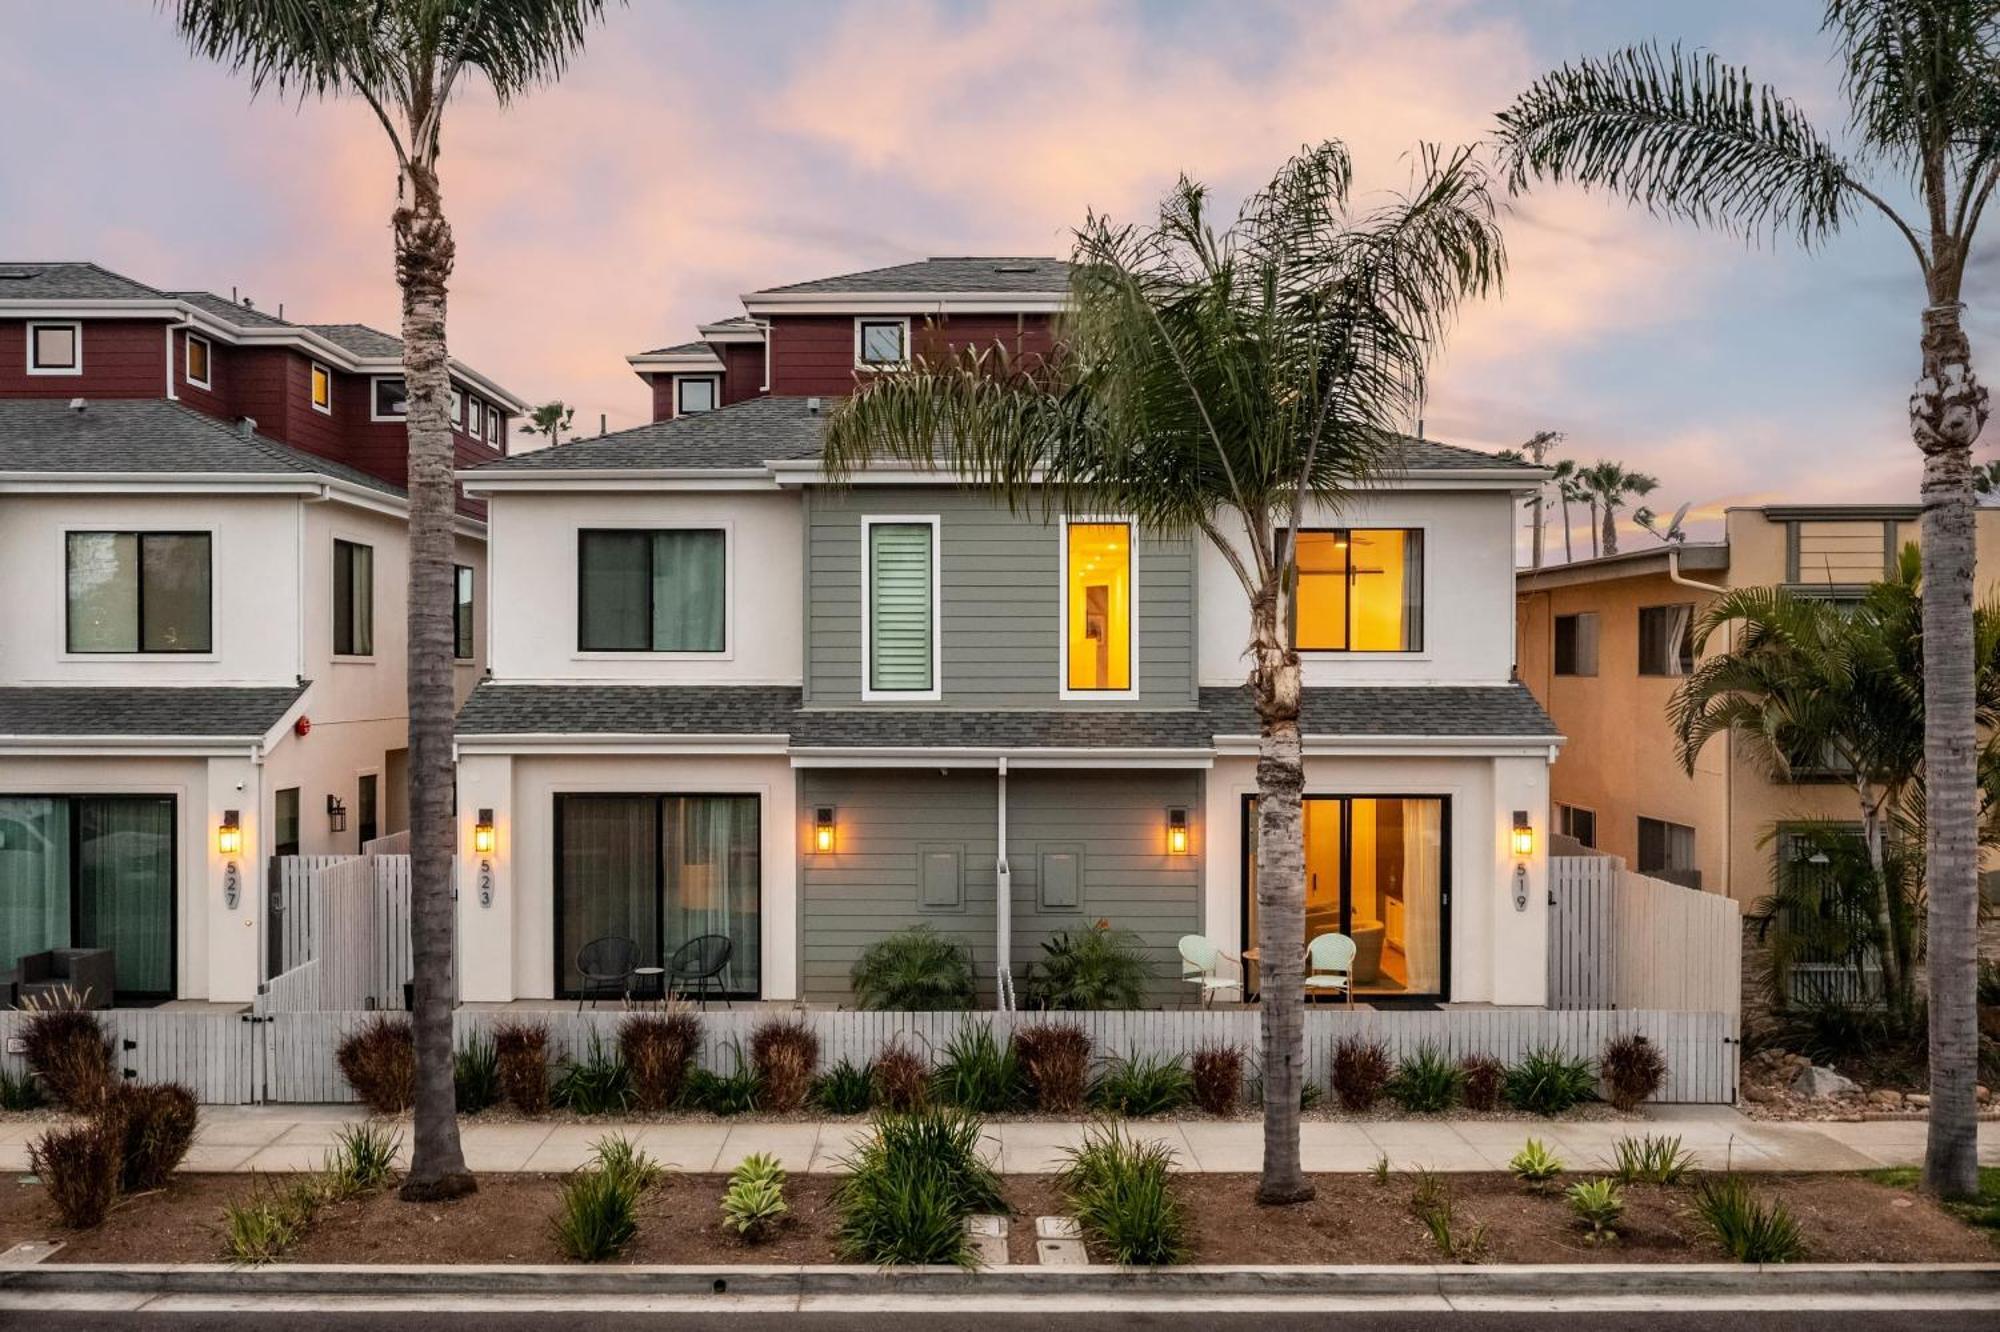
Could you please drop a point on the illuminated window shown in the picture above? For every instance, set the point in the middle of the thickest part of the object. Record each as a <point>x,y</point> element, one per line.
<point>1360,590</point>
<point>322,388</point>
<point>197,361</point>
<point>1097,592</point>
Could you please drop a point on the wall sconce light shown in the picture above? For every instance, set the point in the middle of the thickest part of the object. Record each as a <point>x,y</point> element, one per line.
<point>229,842</point>
<point>336,814</point>
<point>1177,831</point>
<point>823,829</point>
<point>1524,834</point>
<point>482,834</point>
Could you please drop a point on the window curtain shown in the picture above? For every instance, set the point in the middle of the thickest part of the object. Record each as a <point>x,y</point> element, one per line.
<point>614,591</point>
<point>608,856</point>
<point>34,877</point>
<point>1680,623</point>
<point>125,887</point>
<point>688,589</point>
<point>175,569</point>
<point>1423,891</point>
<point>714,880</point>
<point>1413,591</point>
<point>103,592</point>
<point>900,647</point>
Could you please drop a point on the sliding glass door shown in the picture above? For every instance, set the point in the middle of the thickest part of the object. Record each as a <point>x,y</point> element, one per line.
<point>659,870</point>
<point>91,872</point>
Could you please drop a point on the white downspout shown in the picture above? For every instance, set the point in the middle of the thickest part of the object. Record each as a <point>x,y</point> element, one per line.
<point>1728,750</point>
<point>1003,905</point>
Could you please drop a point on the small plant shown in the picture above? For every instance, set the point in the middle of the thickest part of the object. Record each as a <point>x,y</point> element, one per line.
<point>1651,1160</point>
<point>596,1216</point>
<point>1484,1080</point>
<point>1598,1204</point>
<point>1360,1072</point>
<point>1426,1083</point>
<point>754,1202</point>
<point>379,1061</point>
<point>1748,1229</point>
<point>1119,1193</point>
<point>159,1121</point>
<point>523,1050</point>
<point>1548,1082</point>
<point>1217,1074</point>
<point>475,1076</point>
<point>69,1049</point>
<point>616,1154</point>
<point>910,1187</point>
<point>843,1090</point>
<point>1433,1203</point>
<point>597,1084</point>
<point>725,1094</point>
<point>19,1093</point>
<point>900,1080</point>
<point>658,1049</point>
<point>1054,1062</point>
<point>978,1072</point>
<point>1143,1085</point>
<point>1380,1170</point>
<point>785,1054</point>
<point>1095,968</point>
<point>1633,1069</point>
<point>260,1229</point>
<point>79,1165</point>
<point>362,1160</point>
<point>1535,1165</point>
<point>914,970</point>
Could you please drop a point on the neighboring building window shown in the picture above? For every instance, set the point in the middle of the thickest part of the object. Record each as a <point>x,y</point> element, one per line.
<point>693,395</point>
<point>493,423</point>
<point>353,599</point>
<point>475,418</point>
<point>881,342</point>
<point>1576,643</point>
<point>55,349</point>
<point>392,399</point>
<point>1360,590</point>
<point>1097,616</point>
<point>322,388</point>
<point>197,360</point>
<point>461,612</point>
<point>139,592</point>
<point>1666,851</point>
<point>1666,639</point>
<point>285,821</point>
<point>652,591</point>
<point>902,607</point>
<point>457,410</point>
<point>1579,825</point>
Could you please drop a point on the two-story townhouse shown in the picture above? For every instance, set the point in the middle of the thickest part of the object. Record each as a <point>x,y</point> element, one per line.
<point>202,657</point>
<point>731,698</point>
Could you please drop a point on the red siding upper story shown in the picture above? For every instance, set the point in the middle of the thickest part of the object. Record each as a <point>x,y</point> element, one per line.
<point>122,358</point>
<point>814,354</point>
<point>742,371</point>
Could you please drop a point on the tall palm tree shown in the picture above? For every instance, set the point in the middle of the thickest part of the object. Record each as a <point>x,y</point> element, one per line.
<point>1536,450</point>
<point>405,59</point>
<point>1569,490</point>
<point>1229,385</point>
<point>1693,138</point>
<point>1609,485</point>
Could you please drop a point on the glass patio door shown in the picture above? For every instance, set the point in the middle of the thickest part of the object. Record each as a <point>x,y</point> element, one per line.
<point>91,872</point>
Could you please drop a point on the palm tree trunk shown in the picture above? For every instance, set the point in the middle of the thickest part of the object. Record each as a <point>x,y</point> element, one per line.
<point>1536,504</point>
<point>1281,902</point>
<point>1610,527</point>
<point>1893,987</point>
<point>424,255</point>
<point>1593,529</point>
<point>1569,556</point>
<point>1946,413</point>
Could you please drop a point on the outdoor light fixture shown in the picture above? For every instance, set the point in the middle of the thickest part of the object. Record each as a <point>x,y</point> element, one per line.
<point>482,834</point>
<point>1524,846</point>
<point>336,814</point>
<point>229,842</point>
<point>823,829</point>
<point>1177,831</point>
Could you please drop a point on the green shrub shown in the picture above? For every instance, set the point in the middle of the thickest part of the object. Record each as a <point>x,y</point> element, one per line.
<point>1054,1062</point>
<point>79,1166</point>
<point>843,1090</point>
<point>475,1076</point>
<point>1433,1203</point>
<point>785,1054</point>
<point>1379,1172</point>
<point>754,1202</point>
<point>1143,1085</point>
<point>1120,1195</point>
<point>19,1093</point>
<point>1598,1204</point>
<point>900,1080</point>
<point>362,1160</point>
<point>596,1216</point>
<point>1748,1229</point>
<point>262,1227</point>
<point>1094,968</point>
<point>1535,1165</point>
<point>914,970</point>
<point>1633,1069</point>
<point>379,1061</point>
<point>597,1084</point>
<point>978,1072</point>
<point>658,1049</point>
<point>1361,1071</point>
<point>1216,1072</point>
<point>616,1154</point>
<point>1548,1082</point>
<point>523,1050</point>
<point>1651,1160</point>
<point>724,1094</point>
<point>910,1187</point>
<point>1427,1082</point>
<point>159,1121</point>
<point>70,1050</point>
<point>1484,1080</point>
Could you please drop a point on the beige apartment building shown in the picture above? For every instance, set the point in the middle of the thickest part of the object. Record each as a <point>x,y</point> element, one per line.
<point>1603,643</point>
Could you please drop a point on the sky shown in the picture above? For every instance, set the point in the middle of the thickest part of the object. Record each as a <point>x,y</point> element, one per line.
<point>698,149</point>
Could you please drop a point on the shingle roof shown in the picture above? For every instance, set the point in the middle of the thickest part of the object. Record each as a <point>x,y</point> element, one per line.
<point>149,435</point>
<point>974,273</point>
<point>359,339</point>
<point>679,349</point>
<point>691,710</point>
<point>234,312</point>
<point>69,282</point>
<point>220,712</point>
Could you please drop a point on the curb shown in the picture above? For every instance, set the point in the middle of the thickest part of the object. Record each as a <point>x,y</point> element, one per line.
<point>1570,1280</point>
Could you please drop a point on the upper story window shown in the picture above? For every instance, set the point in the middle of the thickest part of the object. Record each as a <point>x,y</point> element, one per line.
<point>652,590</point>
<point>461,612</point>
<point>457,410</point>
<point>55,349</point>
<point>353,599</point>
<point>493,422</point>
<point>694,393</point>
<point>1097,586</point>
<point>1359,590</point>
<point>139,592</point>
<point>1840,552</point>
<point>902,607</point>
<point>1576,644</point>
<point>1666,639</point>
<point>196,368</point>
<point>475,418</point>
<point>1666,851</point>
<point>881,343</point>
<point>322,388</point>
<point>391,400</point>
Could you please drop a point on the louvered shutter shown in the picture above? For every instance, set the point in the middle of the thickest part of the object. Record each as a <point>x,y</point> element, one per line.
<point>900,624</point>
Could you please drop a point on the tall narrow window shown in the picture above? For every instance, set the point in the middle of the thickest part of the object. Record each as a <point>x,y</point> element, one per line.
<point>353,599</point>
<point>1576,643</point>
<point>1666,639</point>
<point>461,612</point>
<point>902,607</point>
<point>139,592</point>
<point>652,591</point>
<point>1359,590</point>
<point>55,349</point>
<point>285,822</point>
<point>197,361</point>
<point>322,388</point>
<point>1097,629</point>
<point>366,808</point>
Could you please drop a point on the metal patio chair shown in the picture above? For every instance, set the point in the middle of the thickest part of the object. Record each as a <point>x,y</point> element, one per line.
<point>606,967</point>
<point>702,960</point>
<point>1201,960</point>
<point>1330,966</point>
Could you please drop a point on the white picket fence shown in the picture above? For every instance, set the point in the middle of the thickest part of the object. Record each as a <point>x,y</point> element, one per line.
<point>1621,940</point>
<point>351,915</point>
<point>218,1056</point>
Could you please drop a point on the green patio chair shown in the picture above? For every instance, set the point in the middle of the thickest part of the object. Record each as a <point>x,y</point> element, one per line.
<point>1201,960</point>
<point>1330,966</point>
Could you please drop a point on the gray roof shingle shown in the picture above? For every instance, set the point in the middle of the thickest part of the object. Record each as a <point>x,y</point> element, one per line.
<point>219,712</point>
<point>680,349</point>
<point>359,339</point>
<point>234,312</point>
<point>1430,711</point>
<point>970,273</point>
<point>69,282</point>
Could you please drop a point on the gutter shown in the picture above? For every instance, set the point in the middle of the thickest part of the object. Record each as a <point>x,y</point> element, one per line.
<point>1675,576</point>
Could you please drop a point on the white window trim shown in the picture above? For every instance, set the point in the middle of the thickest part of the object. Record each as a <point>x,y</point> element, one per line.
<point>1063,691</point>
<point>871,366</point>
<point>207,354</point>
<point>327,370</point>
<point>1317,655</point>
<point>457,409</point>
<point>723,525</point>
<point>715,388</point>
<point>76,330</point>
<point>472,569</point>
<point>492,435</point>
<point>216,574</point>
<point>374,545</point>
<point>475,417</point>
<point>385,417</point>
<point>936,692</point>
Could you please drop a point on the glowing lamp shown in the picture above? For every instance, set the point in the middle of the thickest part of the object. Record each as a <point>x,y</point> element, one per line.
<point>823,829</point>
<point>482,834</point>
<point>1524,834</point>
<point>1177,832</point>
<point>229,834</point>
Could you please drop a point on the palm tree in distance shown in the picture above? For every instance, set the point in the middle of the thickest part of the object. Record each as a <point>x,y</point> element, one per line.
<point>1569,490</point>
<point>1609,485</point>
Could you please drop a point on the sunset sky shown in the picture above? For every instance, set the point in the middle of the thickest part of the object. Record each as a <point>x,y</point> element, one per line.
<point>701,150</point>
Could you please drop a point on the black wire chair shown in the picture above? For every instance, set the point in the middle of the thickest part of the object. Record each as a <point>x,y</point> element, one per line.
<point>606,968</point>
<point>701,960</point>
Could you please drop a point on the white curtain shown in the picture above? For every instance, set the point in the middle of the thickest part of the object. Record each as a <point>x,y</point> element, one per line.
<point>1423,885</point>
<point>1680,622</point>
<point>714,880</point>
<point>34,877</point>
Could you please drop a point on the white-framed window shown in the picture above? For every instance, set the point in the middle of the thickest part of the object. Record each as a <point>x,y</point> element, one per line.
<point>463,647</point>
<point>388,399</point>
<point>493,422</point>
<point>457,409</point>
<point>196,366</point>
<point>55,348</point>
<point>1098,621</point>
<point>321,390</point>
<point>899,608</point>
<point>694,394</point>
<point>475,418</point>
<point>138,592</point>
<point>654,590</point>
<point>881,344</point>
<point>353,599</point>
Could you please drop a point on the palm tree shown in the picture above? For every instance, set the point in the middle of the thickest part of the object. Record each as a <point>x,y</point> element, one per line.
<point>1569,490</point>
<point>1536,450</point>
<point>1608,485</point>
<point>405,59</point>
<point>1986,477</point>
<point>551,421</point>
<point>1691,137</point>
<point>1230,385</point>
